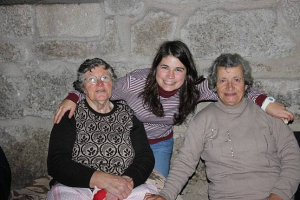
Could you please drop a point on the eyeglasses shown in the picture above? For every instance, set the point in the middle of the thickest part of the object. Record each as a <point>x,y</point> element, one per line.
<point>94,80</point>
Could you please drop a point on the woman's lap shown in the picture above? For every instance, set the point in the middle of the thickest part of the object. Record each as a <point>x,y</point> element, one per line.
<point>62,192</point>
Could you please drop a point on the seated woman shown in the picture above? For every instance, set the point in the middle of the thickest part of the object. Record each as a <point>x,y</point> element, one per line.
<point>103,146</point>
<point>248,154</point>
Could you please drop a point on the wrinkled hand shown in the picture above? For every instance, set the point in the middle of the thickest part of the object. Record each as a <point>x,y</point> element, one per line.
<point>274,197</point>
<point>129,180</point>
<point>115,185</point>
<point>279,111</point>
<point>149,196</point>
<point>118,186</point>
<point>63,108</point>
<point>110,196</point>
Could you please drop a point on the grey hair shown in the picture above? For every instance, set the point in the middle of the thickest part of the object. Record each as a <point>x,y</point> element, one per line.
<point>229,60</point>
<point>88,65</point>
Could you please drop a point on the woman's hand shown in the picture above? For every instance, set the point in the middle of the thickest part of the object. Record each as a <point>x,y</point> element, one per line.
<point>118,186</point>
<point>149,196</point>
<point>63,108</point>
<point>274,197</point>
<point>129,180</point>
<point>278,110</point>
<point>110,196</point>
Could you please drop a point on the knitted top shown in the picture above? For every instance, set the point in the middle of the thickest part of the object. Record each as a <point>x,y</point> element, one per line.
<point>248,154</point>
<point>114,143</point>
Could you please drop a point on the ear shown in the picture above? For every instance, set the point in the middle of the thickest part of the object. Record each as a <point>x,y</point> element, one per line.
<point>246,87</point>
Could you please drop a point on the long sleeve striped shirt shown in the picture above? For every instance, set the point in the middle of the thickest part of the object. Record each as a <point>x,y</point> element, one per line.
<point>128,88</point>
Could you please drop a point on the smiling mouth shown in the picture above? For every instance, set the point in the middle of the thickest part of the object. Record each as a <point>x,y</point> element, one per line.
<point>169,82</point>
<point>230,94</point>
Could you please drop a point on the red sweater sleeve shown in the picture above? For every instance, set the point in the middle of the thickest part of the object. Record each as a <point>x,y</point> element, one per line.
<point>73,97</point>
<point>260,99</point>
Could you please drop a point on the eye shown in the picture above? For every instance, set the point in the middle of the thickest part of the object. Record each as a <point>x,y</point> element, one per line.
<point>222,81</point>
<point>236,80</point>
<point>164,66</point>
<point>179,69</point>
<point>92,79</point>
<point>105,78</point>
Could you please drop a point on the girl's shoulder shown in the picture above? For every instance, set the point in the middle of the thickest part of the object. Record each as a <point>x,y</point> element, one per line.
<point>139,73</point>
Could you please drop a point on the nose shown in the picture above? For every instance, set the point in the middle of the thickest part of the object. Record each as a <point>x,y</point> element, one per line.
<point>170,74</point>
<point>230,86</point>
<point>99,82</point>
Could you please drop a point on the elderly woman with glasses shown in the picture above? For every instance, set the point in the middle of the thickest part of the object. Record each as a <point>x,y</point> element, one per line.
<point>102,147</point>
<point>248,154</point>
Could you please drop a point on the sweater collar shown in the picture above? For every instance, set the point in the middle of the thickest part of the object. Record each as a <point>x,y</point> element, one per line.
<point>233,109</point>
<point>166,94</point>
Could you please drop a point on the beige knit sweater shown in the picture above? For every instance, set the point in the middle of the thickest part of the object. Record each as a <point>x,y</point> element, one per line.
<point>248,154</point>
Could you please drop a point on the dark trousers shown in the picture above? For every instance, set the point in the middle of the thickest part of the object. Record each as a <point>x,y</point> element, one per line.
<point>5,176</point>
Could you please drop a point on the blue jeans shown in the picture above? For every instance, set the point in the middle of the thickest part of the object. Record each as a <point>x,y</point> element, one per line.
<point>162,153</point>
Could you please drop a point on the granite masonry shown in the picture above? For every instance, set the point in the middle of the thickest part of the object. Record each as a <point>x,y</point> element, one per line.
<point>42,45</point>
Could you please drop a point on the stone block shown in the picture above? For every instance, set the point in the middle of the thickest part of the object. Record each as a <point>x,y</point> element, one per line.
<point>286,91</point>
<point>110,44</point>
<point>10,52</point>
<point>291,12</point>
<point>123,7</point>
<point>10,104</point>
<point>122,68</point>
<point>75,20</point>
<point>178,1</point>
<point>48,87</point>
<point>16,21</point>
<point>151,31</point>
<point>79,51</point>
<point>13,87</point>
<point>277,70</point>
<point>26,149</point>
<point>65,49</point>
<point>35,91</point>
<point>253,33</point>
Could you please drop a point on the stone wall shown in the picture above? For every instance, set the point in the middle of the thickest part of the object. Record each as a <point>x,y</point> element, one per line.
<point>42,45</point>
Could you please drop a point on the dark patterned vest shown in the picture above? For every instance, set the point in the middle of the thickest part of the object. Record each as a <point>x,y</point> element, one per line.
<point>103,140</point>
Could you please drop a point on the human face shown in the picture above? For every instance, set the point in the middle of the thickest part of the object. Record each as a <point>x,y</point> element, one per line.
<point>170,73</point>
<point>99,91</point>
<point>230,85</point>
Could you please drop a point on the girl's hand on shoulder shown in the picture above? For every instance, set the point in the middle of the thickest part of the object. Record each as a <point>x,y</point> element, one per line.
<point>63,108</point>
<point>274,197</point>
<point>149,196</point>
<point>279,111</point>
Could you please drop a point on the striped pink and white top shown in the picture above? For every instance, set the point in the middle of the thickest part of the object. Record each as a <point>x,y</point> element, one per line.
<point>129,87</point>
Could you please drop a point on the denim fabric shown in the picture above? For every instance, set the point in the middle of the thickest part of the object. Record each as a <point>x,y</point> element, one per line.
<point>162,153</point>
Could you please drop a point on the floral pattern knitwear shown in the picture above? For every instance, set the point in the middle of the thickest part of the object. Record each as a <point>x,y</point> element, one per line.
<point>103,140</point>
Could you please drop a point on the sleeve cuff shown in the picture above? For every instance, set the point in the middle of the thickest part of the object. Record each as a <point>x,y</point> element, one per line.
<point>280,194</point>
<point>260,99</point>
<point>73,97</point>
